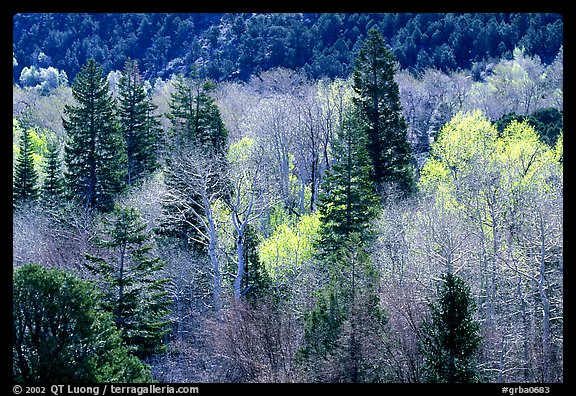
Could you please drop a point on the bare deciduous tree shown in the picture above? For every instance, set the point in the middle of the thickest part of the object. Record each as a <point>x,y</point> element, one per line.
<point>194,189</point>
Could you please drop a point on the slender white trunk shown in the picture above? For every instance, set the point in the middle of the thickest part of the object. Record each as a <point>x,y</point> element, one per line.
<point>240,267</point>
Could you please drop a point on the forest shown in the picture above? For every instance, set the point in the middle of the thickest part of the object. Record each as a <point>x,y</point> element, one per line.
<point>288,198</point>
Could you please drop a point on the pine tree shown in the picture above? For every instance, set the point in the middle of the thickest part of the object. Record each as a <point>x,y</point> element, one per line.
<point>94,153</point>
<point>53,186</point>
<point>378,99</point>
<point>25,177</point>
<point>451,338</point>
<point>256,282</point>
<point>133,290</point>
<point>138,124</point>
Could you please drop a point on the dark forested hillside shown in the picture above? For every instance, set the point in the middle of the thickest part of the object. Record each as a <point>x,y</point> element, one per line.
<point>236,46</point>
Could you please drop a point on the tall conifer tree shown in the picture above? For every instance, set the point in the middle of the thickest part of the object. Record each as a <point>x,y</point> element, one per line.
<point>25,177</point>
<point>348,203</point>
<point>196,126</point>
<point>451,337</point>
<point>196,118</point>
<point>138,124</point>
<point>94,153</point>
<point>53,186</point>
<point>348,200</point>
<point>378,98</point>
<point>134,293</point>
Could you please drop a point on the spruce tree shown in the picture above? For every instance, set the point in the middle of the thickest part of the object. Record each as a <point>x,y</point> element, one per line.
<point>53,186</point>
<point>138,124</point>
<point>94,153</point>
<point>378,98</point>
<point>195,117</point>
<point>25,177</point>
<point>134,291</point>
<point>451,337</point>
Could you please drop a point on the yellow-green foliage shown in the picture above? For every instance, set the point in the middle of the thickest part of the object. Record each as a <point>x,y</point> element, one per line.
<point>525,157</point>
<point>469,158</point>
<point>464,138</point>
<point>559,148</point>
<point>39,140</point>
<point>240,151</point>
<point>289,247</point>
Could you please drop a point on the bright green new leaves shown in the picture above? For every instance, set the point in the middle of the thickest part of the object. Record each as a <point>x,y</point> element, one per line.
<point>471,160</point>
<point>284,253</point>
<point>240,151</point>
<point>30,154</point>
<point>465,138</point>
<point>38,140</point>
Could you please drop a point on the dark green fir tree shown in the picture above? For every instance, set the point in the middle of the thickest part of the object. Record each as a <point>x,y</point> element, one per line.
<point>256,282</point>
<point>134,291</point>
<point>195,117</point>
<point>139,125</point>
<point>378,99</point>
<point>94,153</point>
<point>348,203</point>
<point>53,186</point>
<point>348,200</point>
<point>24,184</point>
<point>451,337</point>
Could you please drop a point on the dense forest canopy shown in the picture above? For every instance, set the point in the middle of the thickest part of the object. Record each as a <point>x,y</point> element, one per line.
<point>288,197</point>
<point>236,46</point>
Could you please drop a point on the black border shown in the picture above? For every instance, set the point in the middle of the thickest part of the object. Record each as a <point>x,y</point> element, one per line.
<point>564,8</point>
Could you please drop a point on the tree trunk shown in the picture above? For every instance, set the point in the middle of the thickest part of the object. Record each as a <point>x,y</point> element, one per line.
<point>546,356</point>
<point>240,267</point>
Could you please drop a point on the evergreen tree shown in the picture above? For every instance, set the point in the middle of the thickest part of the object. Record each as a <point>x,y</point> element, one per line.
<point>348,201</point>
<point>378,99</point>
<point>256,281</point>
<point>53,186</point>
<point>451,338</point>
<point>59,335</point>
<point>25,176</point>
<point>196,126</point>
<point>347,204</point>
<point>94,153</point>
<point>322,326</point>
<point>133,290</point>
<point>138,124</point>
<point>195,117</point>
